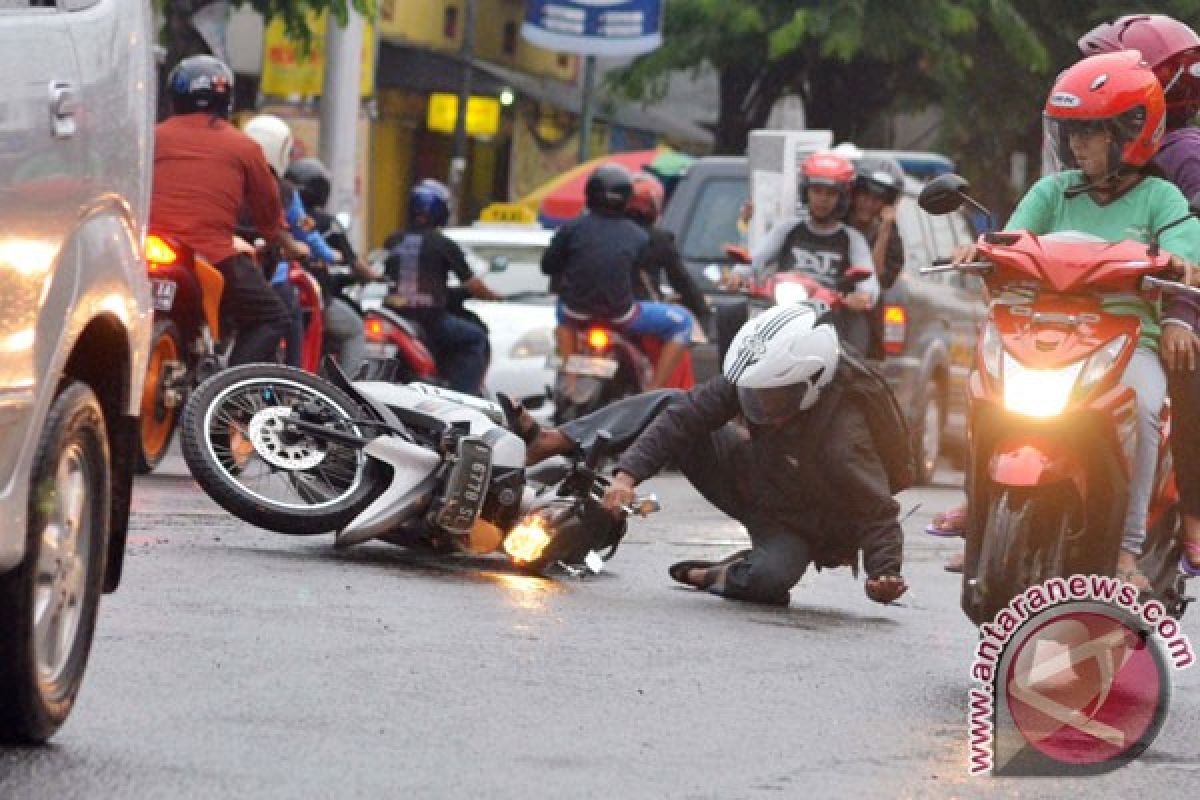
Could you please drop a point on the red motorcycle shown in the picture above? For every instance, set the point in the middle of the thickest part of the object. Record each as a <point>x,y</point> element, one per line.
<point>1051,426</point>
<point>777,288</point>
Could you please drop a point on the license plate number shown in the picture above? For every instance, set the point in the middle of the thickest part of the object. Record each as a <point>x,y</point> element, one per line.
<point>467,486</point>
<point>164,294</point>
<point>592,366</point>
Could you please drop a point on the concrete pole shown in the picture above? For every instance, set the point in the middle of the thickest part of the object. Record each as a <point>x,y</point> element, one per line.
<point>588,112</point>
<point>339,116</point>
<point>458,162</point>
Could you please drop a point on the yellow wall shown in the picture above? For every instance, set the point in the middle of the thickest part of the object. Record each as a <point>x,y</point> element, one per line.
<point>421,22</point>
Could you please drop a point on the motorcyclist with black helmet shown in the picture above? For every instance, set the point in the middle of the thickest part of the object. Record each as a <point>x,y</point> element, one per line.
<point>420,259</point>
<point>205,170</point>
<point>878,183</point>
<point>591,261</point>
<point>342,316</point>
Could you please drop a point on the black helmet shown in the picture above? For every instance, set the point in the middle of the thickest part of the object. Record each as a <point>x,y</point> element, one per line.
<point>608,189</point>
<point>880,176</point>
<point>311,179</point>
<point>201,83</point>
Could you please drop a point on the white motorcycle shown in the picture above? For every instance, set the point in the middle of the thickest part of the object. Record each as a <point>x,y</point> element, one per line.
<point>415,465</point>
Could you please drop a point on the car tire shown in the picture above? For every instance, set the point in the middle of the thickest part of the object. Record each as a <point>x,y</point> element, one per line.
<point>46,633</point>
<point>928,430</point>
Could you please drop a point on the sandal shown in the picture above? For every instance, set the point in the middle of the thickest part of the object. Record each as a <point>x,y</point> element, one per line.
<point>1135,578</point>
<point>949,523</point>
<point>1189,562</point>
<point>679,571</point>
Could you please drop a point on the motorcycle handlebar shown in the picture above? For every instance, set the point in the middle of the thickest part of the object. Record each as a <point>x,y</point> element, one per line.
<point>1151,282</point>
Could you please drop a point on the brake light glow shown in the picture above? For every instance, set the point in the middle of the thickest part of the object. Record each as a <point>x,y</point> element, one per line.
<point>378,330</point>
<point>598,339</point>
<point>895,326</point>
<point>159,253</point>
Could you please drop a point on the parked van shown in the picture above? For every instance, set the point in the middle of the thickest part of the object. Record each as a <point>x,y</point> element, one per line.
<point>930,320</point>
<point>76,137</point>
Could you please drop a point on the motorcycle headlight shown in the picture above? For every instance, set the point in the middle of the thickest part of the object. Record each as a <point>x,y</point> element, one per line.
<point>526,542</point>
<point>788,293</point>
<point>1100,362</point>
<point>537,343</point>
<point>1038,392</point>
<point>992,349</point>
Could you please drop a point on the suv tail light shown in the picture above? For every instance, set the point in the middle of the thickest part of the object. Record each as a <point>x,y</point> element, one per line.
<point>895,326</point>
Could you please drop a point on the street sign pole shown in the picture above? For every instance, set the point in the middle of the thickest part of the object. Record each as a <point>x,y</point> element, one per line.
<point>339,114</point>
<point>458,163</point>
<point>588,111</point>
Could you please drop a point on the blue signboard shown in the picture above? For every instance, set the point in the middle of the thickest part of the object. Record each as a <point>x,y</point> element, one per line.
<point>594,27</point>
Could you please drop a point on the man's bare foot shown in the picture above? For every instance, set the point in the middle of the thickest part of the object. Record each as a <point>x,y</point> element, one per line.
<point>547,443</point>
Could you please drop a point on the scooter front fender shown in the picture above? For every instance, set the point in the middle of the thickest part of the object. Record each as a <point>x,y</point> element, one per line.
<point>411,488</point>
<point>1032,462</point>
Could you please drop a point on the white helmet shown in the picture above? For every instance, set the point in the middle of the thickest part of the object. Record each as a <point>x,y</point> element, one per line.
<point>275,138</point>
<point>780,360</point>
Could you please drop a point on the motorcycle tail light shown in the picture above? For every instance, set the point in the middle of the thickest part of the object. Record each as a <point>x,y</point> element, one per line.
<point>158,253</point>
<point>378,330</point>
<point>598,339</point>
<point>895,326</point>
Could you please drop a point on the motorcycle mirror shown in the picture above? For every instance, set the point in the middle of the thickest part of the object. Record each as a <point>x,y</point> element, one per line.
<point>498,264</point>
<point>944,194</point>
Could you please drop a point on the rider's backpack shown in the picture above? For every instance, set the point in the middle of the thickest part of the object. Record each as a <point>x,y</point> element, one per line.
<point>889,426</point>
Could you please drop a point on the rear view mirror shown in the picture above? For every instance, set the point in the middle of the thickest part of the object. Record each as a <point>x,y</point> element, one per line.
<point>944,194</point>
<point>498,264</point>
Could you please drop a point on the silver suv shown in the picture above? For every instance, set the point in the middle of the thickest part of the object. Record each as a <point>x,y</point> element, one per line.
<point>76,133</point>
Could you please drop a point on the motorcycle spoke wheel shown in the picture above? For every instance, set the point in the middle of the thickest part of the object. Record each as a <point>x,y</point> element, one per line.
<point>245,432</point>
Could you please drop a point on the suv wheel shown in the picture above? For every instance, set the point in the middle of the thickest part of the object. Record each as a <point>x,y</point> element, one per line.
<point>48,603</point>
<point>927,431</point>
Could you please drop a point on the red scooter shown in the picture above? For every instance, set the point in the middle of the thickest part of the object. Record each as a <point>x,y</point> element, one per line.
<point>1051,426</point>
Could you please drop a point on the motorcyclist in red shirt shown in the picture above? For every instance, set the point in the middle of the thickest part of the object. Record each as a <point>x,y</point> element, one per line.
<point>205,170</point>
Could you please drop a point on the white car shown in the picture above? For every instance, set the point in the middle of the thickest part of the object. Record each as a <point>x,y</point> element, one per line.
<point>521,330</point>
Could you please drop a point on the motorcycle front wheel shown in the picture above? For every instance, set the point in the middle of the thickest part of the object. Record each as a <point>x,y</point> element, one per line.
<point>1025,542</point>
<point>237,444</point>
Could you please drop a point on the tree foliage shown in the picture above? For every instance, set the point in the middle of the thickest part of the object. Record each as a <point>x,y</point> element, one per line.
<point>987,64</point>
<point>180,39</point>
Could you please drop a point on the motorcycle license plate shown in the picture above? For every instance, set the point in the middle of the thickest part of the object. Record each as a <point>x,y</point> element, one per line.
<point>466,487</point>
<point>163,293</point>
<point>592,366</point>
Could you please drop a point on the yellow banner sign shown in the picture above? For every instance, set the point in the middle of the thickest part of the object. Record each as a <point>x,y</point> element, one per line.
<point>483,114</point>
<point>288,72</point>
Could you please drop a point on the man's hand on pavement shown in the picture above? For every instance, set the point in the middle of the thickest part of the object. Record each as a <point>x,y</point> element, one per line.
<point>619,494</point>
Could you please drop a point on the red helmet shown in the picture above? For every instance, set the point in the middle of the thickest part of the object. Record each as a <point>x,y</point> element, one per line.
<point>646,203</point>
<point>1113,92</point>
<point>828,169</point>
<point>1171,48</point>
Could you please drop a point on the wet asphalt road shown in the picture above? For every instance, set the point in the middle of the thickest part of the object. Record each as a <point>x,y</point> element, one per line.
<point>235,663</point>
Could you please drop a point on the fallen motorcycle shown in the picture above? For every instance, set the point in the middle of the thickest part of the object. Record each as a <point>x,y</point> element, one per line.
<point>414,465</point>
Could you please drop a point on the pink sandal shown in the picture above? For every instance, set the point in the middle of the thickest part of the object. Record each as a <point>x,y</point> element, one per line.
<point>949,524</point>
<point>1189,562</point>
